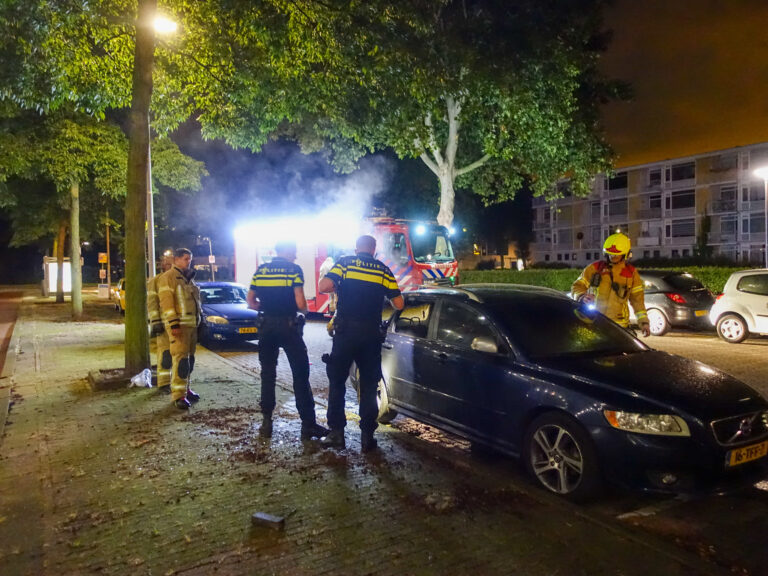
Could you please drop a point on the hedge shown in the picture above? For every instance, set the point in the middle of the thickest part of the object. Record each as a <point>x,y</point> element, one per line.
<point>712,277</point>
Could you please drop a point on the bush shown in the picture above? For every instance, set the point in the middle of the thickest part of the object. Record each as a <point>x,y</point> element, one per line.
<point>713,277</point>
<point>486,265</point>
<point>549,265</point>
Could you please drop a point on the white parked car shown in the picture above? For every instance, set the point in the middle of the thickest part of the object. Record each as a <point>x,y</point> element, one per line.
<point>742,308</point>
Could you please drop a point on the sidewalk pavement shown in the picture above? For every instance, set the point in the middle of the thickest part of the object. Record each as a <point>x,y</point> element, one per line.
<point>121,482</point>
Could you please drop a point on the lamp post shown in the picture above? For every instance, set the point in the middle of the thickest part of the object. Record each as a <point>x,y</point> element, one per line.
<point>162,26</point>
<point>763,173</point>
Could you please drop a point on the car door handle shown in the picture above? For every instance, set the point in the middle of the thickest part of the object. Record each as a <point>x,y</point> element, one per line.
<point>387,345</point>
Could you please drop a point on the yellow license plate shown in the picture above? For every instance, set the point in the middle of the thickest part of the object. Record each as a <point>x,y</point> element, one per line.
<point>249,330</point>
<point>700,312</point>
<point>746,454</point>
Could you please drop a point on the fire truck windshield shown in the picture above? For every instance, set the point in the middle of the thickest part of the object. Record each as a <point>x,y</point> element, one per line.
<point>430,244</point>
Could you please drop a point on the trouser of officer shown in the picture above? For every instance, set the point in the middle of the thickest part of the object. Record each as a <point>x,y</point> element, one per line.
<point>164,360</point>
<point>182,349</point>
<point>282,332</point>
<point>359,343</point>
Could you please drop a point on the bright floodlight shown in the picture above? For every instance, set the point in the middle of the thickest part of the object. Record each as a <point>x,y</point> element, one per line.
<point>451,231</point>
<point>164,25</point>
<point>421,229</point>
<point>762,172</point>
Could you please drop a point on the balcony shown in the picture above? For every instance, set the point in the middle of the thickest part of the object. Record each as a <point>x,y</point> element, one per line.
<point>718,206</point>
<point>722,237</point>
<point>681,241</point>
<point>753,237</point>
<point>541,225</point>
<point>649,213</point>
<point>647,241</point>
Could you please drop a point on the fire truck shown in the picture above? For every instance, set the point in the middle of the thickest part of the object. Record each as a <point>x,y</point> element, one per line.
<point>418,253</point>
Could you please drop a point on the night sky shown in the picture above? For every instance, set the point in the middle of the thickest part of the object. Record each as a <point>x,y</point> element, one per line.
<point>699,69</point>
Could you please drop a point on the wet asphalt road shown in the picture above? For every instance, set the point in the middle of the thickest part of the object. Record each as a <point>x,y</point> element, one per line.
<point>728,531</point>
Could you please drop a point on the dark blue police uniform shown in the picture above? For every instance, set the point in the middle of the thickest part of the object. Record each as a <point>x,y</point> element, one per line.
<point>274,285</point>
<point>361,283</point>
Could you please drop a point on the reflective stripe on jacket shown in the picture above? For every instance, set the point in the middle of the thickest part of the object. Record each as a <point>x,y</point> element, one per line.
<point>179,299</point>
<point>608,301</point>
<point>153,302</point>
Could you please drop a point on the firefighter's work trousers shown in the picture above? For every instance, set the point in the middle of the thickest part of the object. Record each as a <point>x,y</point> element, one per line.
<point>183,360</point>
<point>360,344</point>
<point>280,332</point>
<point>164,361</point>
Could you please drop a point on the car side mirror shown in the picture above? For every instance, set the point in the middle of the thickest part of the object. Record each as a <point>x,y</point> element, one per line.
<point>484,344</point>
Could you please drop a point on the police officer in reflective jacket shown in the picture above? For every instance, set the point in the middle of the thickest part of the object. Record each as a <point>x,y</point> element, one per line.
<point>277,291</point>
<point>361,283</point>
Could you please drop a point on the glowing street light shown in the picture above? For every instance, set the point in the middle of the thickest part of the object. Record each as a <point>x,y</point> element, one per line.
<point>763,173</point>
<point>163,26</point>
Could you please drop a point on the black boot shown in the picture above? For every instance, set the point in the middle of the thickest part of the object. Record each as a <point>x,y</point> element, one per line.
<point>309,431</point>
<point>193,396</point>
<point>265,430</point>
<point>334,439</point>
<point>368,443</point>
<point>182,404</point>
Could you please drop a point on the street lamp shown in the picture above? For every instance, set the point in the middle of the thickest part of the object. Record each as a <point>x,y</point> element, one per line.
<point>161,25</point>
<point>763,173</point>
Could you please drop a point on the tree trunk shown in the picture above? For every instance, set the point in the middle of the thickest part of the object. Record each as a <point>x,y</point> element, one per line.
<point>74,240</point>
<point>136,334</point>
<point>60,261</point>
<point>447,197</point>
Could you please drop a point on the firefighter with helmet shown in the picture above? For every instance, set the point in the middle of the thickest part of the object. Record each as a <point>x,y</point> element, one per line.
<point>612,283</point>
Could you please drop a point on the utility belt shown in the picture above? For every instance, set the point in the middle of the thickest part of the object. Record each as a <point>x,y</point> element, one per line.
<point>344,326</point>
<point>266,321</point>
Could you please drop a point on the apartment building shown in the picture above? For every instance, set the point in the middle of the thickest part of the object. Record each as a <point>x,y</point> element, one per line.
<point>664,207</point>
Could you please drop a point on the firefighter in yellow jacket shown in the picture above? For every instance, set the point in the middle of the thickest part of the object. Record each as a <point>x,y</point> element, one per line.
<point>157,330</point>
<point>612,283</point>
<point>180,311</point>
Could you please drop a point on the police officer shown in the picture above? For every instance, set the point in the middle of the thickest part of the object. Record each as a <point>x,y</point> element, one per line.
<point>162,341</point>
<point>180,310</point>
<point>610,283</point>
<point>277,291</point>
<point>361,283</point>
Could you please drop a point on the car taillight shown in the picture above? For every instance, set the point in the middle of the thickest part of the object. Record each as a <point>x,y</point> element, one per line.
<point>675,297</point>
<point>718,297</point>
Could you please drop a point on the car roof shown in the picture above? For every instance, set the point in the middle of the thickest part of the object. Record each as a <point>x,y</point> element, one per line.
<point>218,284</point>
<point>739,273</point>
<point>483,292</point>
<point>662,273</point>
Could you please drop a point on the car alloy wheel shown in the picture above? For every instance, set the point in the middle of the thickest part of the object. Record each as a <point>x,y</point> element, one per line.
<point>732,328</point>
<point>559,455</point>
<point>658,321</point>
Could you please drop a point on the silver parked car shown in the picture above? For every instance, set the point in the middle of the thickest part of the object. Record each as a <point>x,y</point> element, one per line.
<point>742,308</point>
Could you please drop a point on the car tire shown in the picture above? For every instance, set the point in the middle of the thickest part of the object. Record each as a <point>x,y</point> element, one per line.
<point>732,328</point>
<point>386,413</point>
<point>659,324</point>
<point>559,456</point>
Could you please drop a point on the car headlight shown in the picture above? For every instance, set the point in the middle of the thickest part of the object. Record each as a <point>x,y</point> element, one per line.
<point>659,424</point>
<point>216,320</point>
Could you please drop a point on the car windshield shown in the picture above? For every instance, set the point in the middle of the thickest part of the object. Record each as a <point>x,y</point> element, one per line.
<point>222,295</point>
<point>684,282</point>
<point>430,244</point>
<point>546,327</point>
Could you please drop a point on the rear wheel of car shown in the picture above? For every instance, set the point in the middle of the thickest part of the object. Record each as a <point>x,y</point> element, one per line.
<point>386,413</point>
<point>560,456</point>
<point>658,321</point>
<point>732,328</point>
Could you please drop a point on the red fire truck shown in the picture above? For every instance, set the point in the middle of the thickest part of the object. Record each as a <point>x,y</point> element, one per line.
<point>418,253</point>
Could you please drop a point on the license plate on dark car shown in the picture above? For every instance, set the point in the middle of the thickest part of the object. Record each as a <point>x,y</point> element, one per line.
<point>746,454</point>
<point>248,330</point>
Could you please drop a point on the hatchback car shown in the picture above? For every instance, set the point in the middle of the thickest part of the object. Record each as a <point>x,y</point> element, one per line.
<point>675,299</point>
<point>531,373</point>
<point>225,313</point>
<point>742,308</point>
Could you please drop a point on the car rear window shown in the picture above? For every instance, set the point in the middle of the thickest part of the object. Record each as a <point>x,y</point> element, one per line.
<point>551,327</point>
<point>684,282</point>
<point>754,284</point>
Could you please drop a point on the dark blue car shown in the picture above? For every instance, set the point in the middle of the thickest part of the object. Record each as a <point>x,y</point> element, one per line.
<point>226,316</point>
<point>528,372</point>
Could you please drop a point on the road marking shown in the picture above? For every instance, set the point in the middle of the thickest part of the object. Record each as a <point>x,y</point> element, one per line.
<point>655,508</point>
